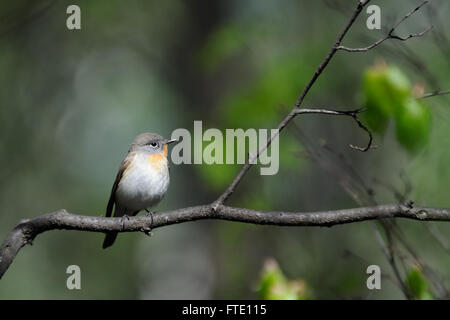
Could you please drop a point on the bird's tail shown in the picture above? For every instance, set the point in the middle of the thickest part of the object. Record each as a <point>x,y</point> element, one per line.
<point>109,239</point>
<point>112,235</point>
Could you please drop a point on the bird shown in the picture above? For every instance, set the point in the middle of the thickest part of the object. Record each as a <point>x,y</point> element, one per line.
<point>142,180</point>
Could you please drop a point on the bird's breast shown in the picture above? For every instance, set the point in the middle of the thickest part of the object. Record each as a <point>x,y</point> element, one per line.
<point>157,162</point>
<point>144,182</point>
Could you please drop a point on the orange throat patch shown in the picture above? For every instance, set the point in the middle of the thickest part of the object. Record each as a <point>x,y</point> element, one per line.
<point>158,160</point>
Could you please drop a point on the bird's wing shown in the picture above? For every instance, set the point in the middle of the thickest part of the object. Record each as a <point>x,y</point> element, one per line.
<point>122,169</point>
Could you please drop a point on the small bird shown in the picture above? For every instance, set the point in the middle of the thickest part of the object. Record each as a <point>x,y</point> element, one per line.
<point>142,180</point>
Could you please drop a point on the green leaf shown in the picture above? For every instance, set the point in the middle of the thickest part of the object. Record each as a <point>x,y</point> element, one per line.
<point>399,83</point>
<point>275,286</point>
<point>385,90</point>
<point>413,124</point>
<point>388,95</point>
<point>418,285</point>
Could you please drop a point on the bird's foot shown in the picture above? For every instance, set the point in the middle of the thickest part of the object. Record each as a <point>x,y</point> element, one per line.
<point>123,218</point>
<point>148,229</point>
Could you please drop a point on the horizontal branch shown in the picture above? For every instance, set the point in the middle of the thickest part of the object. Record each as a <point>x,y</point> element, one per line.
<point>25,232</point>
<point>434,93</point>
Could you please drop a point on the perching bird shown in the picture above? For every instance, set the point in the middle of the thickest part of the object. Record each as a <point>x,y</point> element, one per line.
<point>142,180</point>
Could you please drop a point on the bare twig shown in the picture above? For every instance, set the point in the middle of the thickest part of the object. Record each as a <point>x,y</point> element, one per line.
<point>390,34</point>
<point>227,193</point>
<point>438,236</point>
<point>351,113</point>
<point>388,250</point>
<point>434,93</point>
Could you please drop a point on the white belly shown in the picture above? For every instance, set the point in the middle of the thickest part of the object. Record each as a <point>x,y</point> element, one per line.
<point>142,186</point>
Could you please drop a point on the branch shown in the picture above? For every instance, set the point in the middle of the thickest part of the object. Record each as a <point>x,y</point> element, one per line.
<point>229,191</point>
<point>391,34</point>
<point>25,232</point>
<point>434,93</point>
<point>351,113</point>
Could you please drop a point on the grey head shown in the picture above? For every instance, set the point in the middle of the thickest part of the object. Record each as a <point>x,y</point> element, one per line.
<point>150,142</point>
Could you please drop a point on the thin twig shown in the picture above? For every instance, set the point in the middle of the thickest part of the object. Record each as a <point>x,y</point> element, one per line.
<point>229,191</point>
<point>351,113</point>
<point>434,93</point>
<point>390,34</point>
<point>438,236</point>
<point>388,251</point>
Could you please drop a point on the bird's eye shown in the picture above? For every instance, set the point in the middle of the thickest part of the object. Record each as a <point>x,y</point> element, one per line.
<point>154,144</point>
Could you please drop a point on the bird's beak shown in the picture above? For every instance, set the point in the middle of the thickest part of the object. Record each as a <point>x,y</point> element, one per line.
<point>171,141</point>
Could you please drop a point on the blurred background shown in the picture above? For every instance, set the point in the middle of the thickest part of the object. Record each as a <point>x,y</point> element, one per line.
<point>71,102</point>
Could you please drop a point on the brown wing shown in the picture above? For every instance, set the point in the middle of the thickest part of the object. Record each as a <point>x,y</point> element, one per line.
<point>112,197</point>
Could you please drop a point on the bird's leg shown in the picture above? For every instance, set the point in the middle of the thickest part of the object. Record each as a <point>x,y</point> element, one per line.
<point>148,230</point>
<point>124,217</point>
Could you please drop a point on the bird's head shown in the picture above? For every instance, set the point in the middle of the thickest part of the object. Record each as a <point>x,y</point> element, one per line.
<point>151,143</point>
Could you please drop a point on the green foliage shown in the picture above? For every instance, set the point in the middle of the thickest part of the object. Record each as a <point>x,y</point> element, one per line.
<point>275,286</point>
<point>413,125</point>
<point>218,175</point>
<point>418,285</point>
<point>259,105</point>
<point>388,94</point>
<point>222,44</point>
